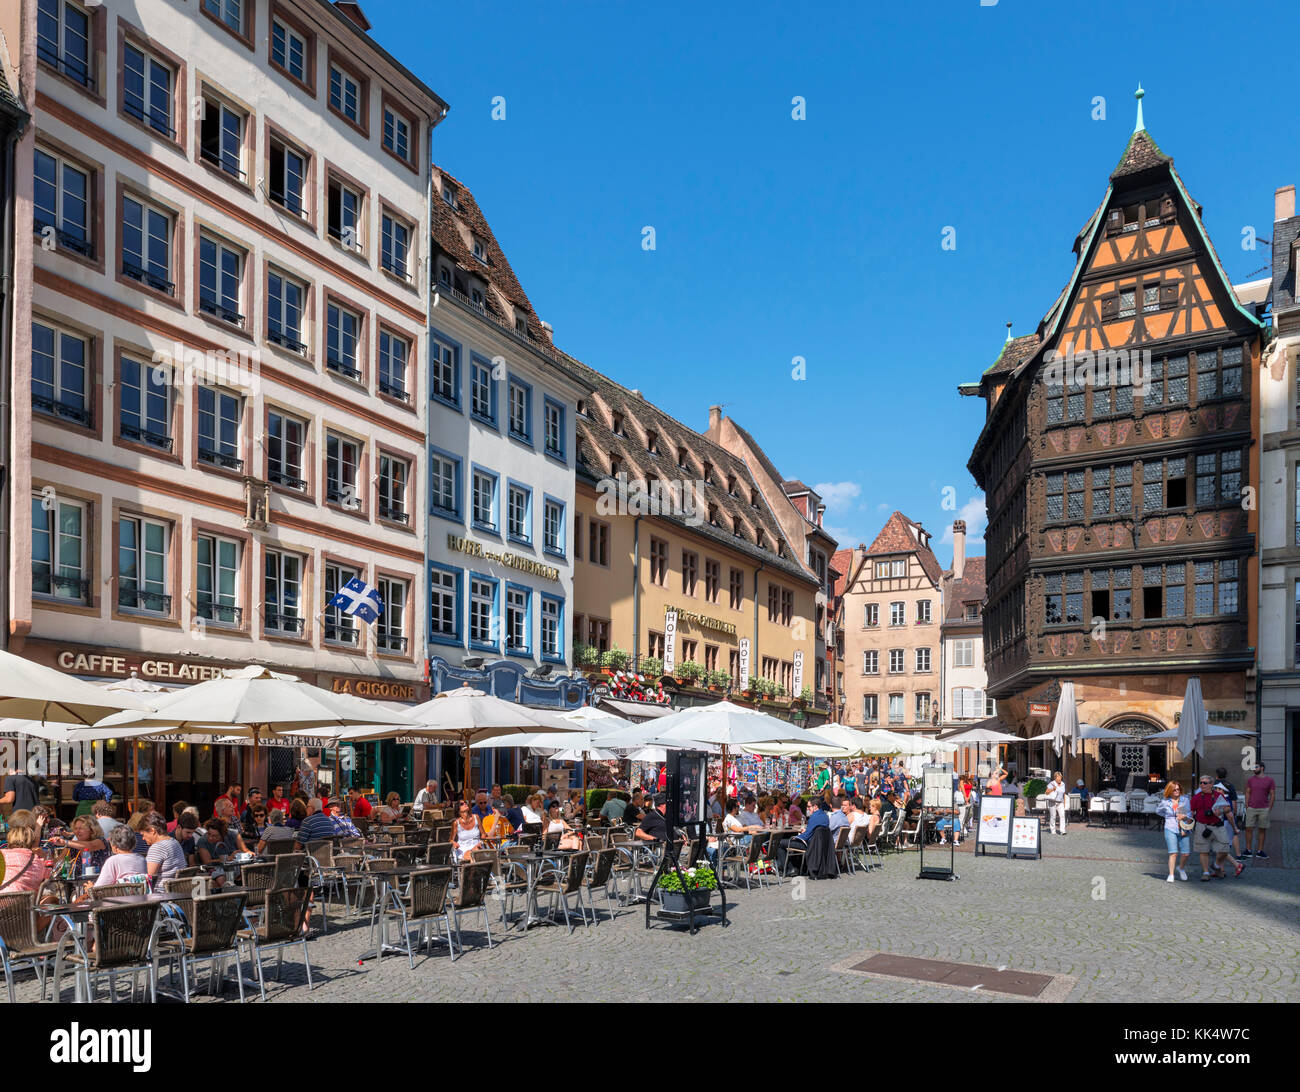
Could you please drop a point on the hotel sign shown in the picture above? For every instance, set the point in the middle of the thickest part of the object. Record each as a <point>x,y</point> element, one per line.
<point>502,557</point>
<point>670,641</point>
<point>703,621</point>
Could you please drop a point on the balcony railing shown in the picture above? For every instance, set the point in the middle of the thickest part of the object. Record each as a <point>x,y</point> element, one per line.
<point>341,634</point>
<point>159,440</point>
<point>157,283</point>
<point>210,306</point>
<point>134,599</point>
<point>390,642</point>
<point>155,119</point>
<point>288,481</point>
<point>69,589</point>
<point>66,239</point>
<point>56,407</point>
<point>394,391</point>
<point>343,368</point>
<point>286,341</point>
<point>393,512</point>
<point>220,613</point>
<point>283,623</point>
<point>223,162</point>
<point>221,459</point>
<point>75,70</point>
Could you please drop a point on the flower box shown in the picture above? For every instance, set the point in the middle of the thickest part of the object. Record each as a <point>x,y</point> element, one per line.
<point>679,902</point>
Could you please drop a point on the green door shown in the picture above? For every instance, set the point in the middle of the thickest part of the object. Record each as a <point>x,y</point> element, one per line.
<point>395,763</point>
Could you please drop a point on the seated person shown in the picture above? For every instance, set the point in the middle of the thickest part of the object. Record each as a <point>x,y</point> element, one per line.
<point>731,824</point>
<point>794,815</point>
<point>275,833</point>
<point>497,827</point>
<point>25,869</point>
<point>187,834</point>
<point>125,865</point>
<point>343,826</point>
<point>164,856</point>
<point>555,824</point>
<point>613,808</point>
<point>653,826</point>
<point>466,833</point>
<point>212,849</point>
<point>514,815</point>
<point>316,827</point>
<point>818,818</point>
<point>842,816</point>
<point>532,810</point>
<point>749,816</point>
<point>390,811</point>
<point>635,809</point>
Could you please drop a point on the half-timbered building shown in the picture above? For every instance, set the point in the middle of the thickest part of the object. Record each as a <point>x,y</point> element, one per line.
<point>1117,460</point>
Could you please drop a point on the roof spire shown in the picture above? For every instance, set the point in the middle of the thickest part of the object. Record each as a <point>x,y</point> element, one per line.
<point>1008,331</point>
<point>1141,125</point>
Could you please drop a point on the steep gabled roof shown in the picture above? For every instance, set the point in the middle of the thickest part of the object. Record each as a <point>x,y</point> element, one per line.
<point>969,589</point>
<point>1141,153</point>
<point>1014,353</point>
<point>903,535</point>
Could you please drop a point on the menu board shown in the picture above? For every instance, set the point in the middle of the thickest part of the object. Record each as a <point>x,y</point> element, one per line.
<point>1026,837</point>
<point>993,827</point>
<point>936,786</point>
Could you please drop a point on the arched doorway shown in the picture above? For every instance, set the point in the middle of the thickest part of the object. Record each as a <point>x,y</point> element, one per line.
<point>1133,763</point>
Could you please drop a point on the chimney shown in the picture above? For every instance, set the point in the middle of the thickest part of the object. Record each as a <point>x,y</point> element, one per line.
<point>1284,203</point>
<point>821,511</point>
<point>715,419</point>
<point>958,548</point>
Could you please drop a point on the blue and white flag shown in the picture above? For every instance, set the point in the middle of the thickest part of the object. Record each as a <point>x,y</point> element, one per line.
<point>359,598</point>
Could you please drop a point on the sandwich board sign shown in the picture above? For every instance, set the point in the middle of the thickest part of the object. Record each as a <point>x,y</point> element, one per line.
<point>1026,837</point>
<point>993,827</point>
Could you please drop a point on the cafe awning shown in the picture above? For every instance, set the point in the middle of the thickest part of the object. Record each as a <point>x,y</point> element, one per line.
<point>638,710</point>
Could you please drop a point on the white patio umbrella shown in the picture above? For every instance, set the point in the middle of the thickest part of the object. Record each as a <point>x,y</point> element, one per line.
<point>596,721</point>
<point>981,735</point>
<point>464,716</point>
<point>1212,731</point>
<point>1086,731</point>
<point>904,744</point>
<point>1065,725</point>
<point>1194,722</point>
<point>31,691</point>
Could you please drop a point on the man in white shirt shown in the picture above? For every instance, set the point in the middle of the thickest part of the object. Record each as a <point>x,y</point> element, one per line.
<point>426,797</point>
<point>1055,793</point>
<point>749,817</point>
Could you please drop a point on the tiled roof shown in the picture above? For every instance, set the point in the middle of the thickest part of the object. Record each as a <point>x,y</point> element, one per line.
<point>795,486</point>
<point>1140,154</point>
<point>9,102</point>
<point>969,589</point>
<point>901,535</point>
<point>1014,353</point>
<point>599,445</point>
<point>841,563</point>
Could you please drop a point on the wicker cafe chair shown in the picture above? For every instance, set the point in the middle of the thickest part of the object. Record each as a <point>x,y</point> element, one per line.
<point>600,879</point>
<point>282,926</point>
<point>406,854</point>
<point>256,878</point>
<point>512,877</point>
<point>471,897</point>
<point>279,847</point>
<point>19,946</point>
<point>746,860</point>
<point>562,884</point>
<point>115,890</point>
<point>424,903</point>
<point>124,938</point>
<point>214,924</point>
<point>438,855</point>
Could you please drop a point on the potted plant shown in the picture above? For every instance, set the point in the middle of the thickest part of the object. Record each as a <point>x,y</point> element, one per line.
<point>805,695</point>
<point>614,660</point>
<point>691,671</point>
<point>652,667</point>
<point>586,655</point>
<point>755,687</point>
<point>693,888</point>
<point>767,688</point>
<point>718,680</point>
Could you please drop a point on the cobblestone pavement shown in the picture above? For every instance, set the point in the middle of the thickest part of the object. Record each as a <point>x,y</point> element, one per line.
<point>1096,909</point>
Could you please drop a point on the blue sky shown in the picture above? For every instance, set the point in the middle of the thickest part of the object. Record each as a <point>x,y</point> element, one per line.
<point>821,238</point>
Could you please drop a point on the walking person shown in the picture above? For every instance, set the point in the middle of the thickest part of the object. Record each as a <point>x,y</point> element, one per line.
<point>1261,791</point>
<point>1055,793</point>
<point>1209,806</point>
<point>1177,830</point>
<point>1225,786</point>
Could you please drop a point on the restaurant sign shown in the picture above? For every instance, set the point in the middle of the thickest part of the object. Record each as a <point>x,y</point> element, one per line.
<point>1039,709</point>
<point>1219,715</point>
<point>97,663</point>
<point>502,557</point>
<point>703,621</point>
<point>375,689</point>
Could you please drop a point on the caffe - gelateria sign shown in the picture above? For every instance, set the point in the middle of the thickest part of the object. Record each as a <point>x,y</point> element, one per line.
<point>502,557</point>
<point>120,666</point>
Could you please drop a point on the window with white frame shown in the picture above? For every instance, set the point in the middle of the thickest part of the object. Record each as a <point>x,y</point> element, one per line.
<point>142,569</point>
<point>483,509</point>
<point>144,396</point>
<point>898,568</point>
<point>519,513</point>
<point>882,570</point>
<point>963,652</point>
<point>897,614</point>
<point>443,473</point>
<point>342,464</point>
<point>393,355</point>
<point>217,581</point>
<point>289,50</point>
<point>896,661</point>
<point>285,299</point>
<point>870,708</point>
<point>221,278</point>
<point>968,703</point>
<point>285,440</point>
<point>443,371</point>
<point>896,709</point>
<point>61,201</point>
<point>922,610</point>
<point>482,612</point>
<point>922,707</point>
<point>395,246</point>
<point>59,533</point>
<point>345,94</point>
<point>552,632</point>
<point>219,416</point>
<point>230,12</point>
<point>287,176</point>
<point>393,476</point>
<point>340,628</point>
<point>554,427</point>
<point>397,134</point>
<point>390,629</point>
<point>60,376</point>
<point>342,340</point>
<point>147,244</point>
<point>282,609</point>
<point>221,137</point>
<point>444,601</point>
<point>922,659</point>
<point>482,391</point>
<point>871,614</point>
<point>518,622</point>
<point>870,662</point>
<point>345,219</point>
<point>63,39</point>
<point>520,411</point>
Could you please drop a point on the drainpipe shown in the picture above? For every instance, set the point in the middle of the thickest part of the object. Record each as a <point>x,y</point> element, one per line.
<point>636,594</point>
<point>753,652</point>
<point>6,364</point>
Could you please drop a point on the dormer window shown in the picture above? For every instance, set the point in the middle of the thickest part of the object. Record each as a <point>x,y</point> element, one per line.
<point>479,251</point>
<point>713,515</point>
<point>737,527</point>
<point>708,472</point>
<point>731,484</point>
<point>682,458</point>
<point>582,407</point>
<point>521,325</point>
<point>449,196</point>
<point>476,296</point>
<point>616,424</point>
<point>615,467</point>
<point>753,499</point>
<point>444,275</point>
<point>652,442</point>
<point>761,539</point>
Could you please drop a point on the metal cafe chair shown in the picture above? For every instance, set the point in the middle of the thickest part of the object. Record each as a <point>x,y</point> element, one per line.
<point>562,884</point>
<point>424,904</point>
<point>281,927</point>
<point>19,945</point>
<point>471,897</point>
<point>123,945</point>
<point>214,923</point>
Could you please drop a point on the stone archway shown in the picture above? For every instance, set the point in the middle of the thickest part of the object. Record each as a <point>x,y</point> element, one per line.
<point>1132,764</point>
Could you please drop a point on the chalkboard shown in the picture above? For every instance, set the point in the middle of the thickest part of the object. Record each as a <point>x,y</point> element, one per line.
<point>993,827</point>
